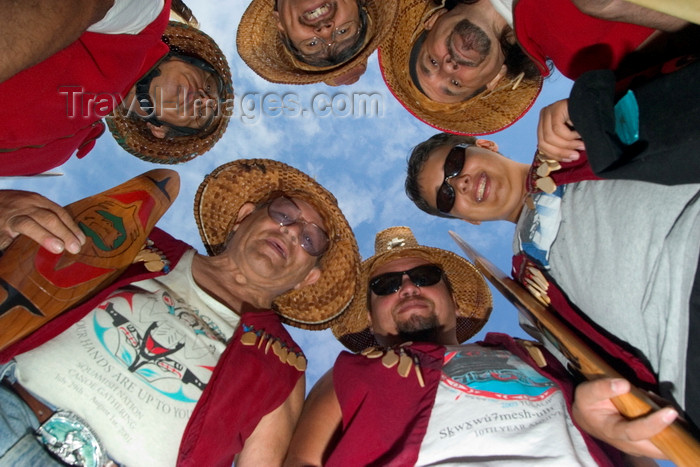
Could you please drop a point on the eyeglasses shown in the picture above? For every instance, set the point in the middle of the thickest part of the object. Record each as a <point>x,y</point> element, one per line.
<point>454,162</point>
<point>316,46</point>
<point>314,240</point>
<point>421,276</point>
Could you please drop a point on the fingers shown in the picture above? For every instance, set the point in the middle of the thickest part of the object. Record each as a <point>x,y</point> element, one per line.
<point>556,137</point>
<point>594,411</point>
<point>40,219</point>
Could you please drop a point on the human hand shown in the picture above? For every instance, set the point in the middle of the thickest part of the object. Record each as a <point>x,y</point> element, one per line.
<point>556,137</point>
<point>42,220</point>
<point>595,413</point>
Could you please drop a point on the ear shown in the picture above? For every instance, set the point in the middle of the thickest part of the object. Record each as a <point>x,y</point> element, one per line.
<point>472,222</point>
<point>491,85</point>
<point>486,144</point>
<point>157,131</point>
<point>310,279</point>
<point>280,28</point>
<point>243,212</point>
<point>430,22</point>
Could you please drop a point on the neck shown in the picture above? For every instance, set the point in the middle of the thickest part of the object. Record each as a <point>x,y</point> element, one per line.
<point>483,12</point>
<point>221,279</point>
<point>523,171</point>
<point>433,336</point>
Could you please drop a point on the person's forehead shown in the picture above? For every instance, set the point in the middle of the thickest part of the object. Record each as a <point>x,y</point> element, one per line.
<point>433,173</point>
<point>401,264</point>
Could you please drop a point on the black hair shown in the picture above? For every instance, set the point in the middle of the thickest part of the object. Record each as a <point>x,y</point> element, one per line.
<point>419,155</point>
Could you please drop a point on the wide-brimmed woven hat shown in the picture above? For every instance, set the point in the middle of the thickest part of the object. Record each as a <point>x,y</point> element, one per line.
<point>227,188</point>
<point>485,113</point>
<point>260,45</point>
<point>136,138</point>
<point>471,293</point>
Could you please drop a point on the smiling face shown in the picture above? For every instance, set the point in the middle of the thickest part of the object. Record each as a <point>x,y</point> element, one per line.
<point>461,53</point>
<point>270,254</point>
<point>489,187</point>
<point>337,22</point>
<point>185,95</point>
<point>412,310</point>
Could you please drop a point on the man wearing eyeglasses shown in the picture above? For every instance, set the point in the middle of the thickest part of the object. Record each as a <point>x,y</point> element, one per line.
<point>416,394</point>
<point>322,33</point>
<point>621,253</point>
<point>185,360</point>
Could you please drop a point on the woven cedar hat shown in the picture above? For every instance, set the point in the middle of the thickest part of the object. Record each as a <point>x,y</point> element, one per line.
<point>136,138</point>
<point>260,45</point>
<point>471,293</point>
<point>227,188</point>
<point>485,113</point>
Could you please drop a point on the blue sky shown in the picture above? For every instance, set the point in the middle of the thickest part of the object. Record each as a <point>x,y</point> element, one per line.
<point>360,159</point>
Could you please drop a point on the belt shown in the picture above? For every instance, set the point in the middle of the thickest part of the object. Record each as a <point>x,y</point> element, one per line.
<point>41,410</point>
<point>64,434</point>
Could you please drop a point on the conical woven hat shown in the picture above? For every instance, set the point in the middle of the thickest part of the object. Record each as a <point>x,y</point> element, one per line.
<point>260,46</point>
<point>136,138</point>
<point>486,113</point>
<point>471,293</point>
<point>227,188</point>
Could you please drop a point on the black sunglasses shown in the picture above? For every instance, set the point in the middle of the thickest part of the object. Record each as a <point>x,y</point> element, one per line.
<point>314,240</point>
<point>454,162</point>
<point>421,276</point>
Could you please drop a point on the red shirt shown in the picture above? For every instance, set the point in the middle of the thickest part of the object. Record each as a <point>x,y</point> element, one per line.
<point>572,40</point>
<point>54,108</point>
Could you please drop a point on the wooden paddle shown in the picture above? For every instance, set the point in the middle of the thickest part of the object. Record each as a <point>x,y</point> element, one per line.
<point>37,285</point>
<point>674,441</point>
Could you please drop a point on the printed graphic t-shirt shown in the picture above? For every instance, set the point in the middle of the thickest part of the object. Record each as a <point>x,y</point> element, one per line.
<point>492,408</point>
<point>136,365</point>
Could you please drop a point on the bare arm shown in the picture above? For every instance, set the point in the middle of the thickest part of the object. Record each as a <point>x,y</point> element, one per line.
<point>33,30</point>
<point>47,223</point>
<point>319,422</point>
<point>626,12</point>
<point>268,444</point>
<point>594,412</point>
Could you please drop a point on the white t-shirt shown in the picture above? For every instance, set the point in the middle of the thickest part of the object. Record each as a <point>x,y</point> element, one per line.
<point>128,17</point>
<point>135,367</point>
<point>625,252</point>
<point>492,408</point>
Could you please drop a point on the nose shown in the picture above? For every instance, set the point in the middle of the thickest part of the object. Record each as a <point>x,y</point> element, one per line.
<point>294,230</point>
<point>408,288</point>
<point>325,29</point>
<point>460,183</point>
<point>448,64</point>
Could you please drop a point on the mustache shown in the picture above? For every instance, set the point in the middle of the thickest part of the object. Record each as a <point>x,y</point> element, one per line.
<point>473,38</point>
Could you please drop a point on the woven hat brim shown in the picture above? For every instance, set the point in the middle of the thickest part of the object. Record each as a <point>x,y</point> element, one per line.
<point>220,197</point>
<point>471,293</point>
<point>135,137</point>
<point>483,114</point>
<point>259,44</point>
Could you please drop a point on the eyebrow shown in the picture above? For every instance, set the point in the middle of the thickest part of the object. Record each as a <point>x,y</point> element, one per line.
<point>424,68</point>
<point>448,92</point>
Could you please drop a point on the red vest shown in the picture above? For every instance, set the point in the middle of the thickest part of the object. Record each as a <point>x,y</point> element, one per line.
<point>385,416</point>
<point>247,382</point>
<point>54,108</point>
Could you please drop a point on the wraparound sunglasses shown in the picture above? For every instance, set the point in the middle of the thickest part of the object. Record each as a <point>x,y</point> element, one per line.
<point>421,276</point>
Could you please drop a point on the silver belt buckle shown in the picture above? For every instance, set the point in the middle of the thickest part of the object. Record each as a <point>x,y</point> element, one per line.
<point>70,439</point>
